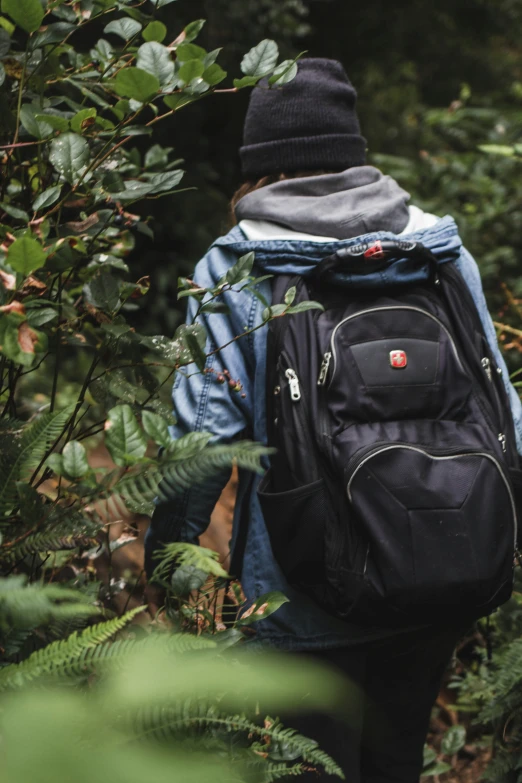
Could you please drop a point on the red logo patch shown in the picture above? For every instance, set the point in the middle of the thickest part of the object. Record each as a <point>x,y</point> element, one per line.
<point>398,359</point>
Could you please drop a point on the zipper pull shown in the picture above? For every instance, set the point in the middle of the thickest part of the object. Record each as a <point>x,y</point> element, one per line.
<point>502,441</point>
<point>323,372</point>
<point>486,366</point>
<point>293,382</point>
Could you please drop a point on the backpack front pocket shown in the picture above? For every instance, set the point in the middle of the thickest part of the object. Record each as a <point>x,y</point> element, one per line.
<point>441,526</point>
<point>295,521</point>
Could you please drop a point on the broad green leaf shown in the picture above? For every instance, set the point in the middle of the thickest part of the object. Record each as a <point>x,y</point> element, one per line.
<point>103,292</point>
<point>188,51</point>
<point>185,347</point>
<point>303,306</point>
<point>497,149</point>
<point>196,351</point>
<point>5,42</point>
<point>2,74</point>
<point>439,768</point>
<point>6,25</point>
<point>283,74</point>
<point>261,59</point>
<point>241,269</point>
<point>37,128</point>
<point>103,50</point>
<point>155,58</point>
<point>27,14</point>
<point>157,156</point>
<point>134,190</point>
<point>69,155</point>
<point>187,578</point>
<point>125,28</point>
<point>25,255</point>
<point>157,183</point>
<point>55,463</point>
<point>14,212</point>
<point>264,606</point>
<point>74,459</point>
<point>20,342</point>
<point>124,438</point>
<point>137,84</point>
<point>57,123</point>
<point>453,740</point>
<point>246,81</point>
<point>193,29</point>
<point>429,756</point>
<point>53,33</point>
<point>290,295</point>
<point>47,198</point>
<point>83,119</point>
<point>214,74</point>
<point>163,181</point>
<point>155,31</point>
<point>215,307</point>
<point>156,428</point>
<point>274,311</point>
<point>41,315</point>
<point>179,100</point>
<point>192,69</point>
<point>161,3</point>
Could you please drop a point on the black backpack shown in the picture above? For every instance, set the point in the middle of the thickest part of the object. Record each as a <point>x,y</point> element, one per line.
<point>392,498</point>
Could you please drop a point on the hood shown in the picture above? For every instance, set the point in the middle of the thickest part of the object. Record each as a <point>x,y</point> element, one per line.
<point>343,205</point>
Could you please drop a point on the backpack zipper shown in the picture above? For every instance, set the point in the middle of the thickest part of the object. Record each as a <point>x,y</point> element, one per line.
<point>293,383</point>
<point>323,372</point>
<point>447,454</point>
<point>379,309</point>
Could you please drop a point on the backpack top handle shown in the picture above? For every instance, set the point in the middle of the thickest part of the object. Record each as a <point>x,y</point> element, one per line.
<point>368,257</point>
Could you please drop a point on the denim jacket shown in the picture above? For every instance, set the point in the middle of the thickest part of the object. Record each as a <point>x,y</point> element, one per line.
<point>202,404</point>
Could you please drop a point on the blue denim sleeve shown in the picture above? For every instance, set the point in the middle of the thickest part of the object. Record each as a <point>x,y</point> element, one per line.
<point>201,404</point>
<point>469,270</point>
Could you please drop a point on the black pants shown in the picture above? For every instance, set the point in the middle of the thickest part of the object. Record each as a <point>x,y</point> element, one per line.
<point>396,683</point>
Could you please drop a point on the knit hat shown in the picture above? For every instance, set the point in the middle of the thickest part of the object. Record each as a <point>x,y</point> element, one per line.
<point>305,125</point>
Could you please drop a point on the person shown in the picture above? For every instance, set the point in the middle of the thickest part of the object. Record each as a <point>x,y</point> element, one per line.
<point>307,192</point>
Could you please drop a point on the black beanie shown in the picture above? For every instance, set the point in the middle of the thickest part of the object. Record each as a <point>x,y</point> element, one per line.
<point>305,125</point>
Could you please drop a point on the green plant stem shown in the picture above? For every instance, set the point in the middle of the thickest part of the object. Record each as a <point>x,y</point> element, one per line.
<point>21,92</point>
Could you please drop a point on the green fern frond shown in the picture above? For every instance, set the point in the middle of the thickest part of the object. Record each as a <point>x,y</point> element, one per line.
<point>507,684</point>
<point>44,542</point>
<point>34,442</point>
<point>25,607</point>
<point>166,722</point>
<point>189,469</point>
<point>281,771</point>
<point>184,554</point>
<point>62,657</point>
<point>181,474</point>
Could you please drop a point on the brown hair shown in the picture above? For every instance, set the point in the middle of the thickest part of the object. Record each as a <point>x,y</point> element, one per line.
<point>250,185</point>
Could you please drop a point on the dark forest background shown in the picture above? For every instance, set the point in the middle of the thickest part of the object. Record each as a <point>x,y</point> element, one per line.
<point>435,81</point>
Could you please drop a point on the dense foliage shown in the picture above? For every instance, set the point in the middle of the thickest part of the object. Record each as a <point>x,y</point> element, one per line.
<point>72,367</point>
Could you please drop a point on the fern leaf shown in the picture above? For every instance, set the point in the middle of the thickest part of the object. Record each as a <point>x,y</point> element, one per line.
<point>60,657</point>
<point>25,607</point>
<point>167,722</point>
<point>44,542</point>
<point>181,474</point>
<point>184,554</point>
<point>34,442</point>
<point>188,469</point>
<point>282,771</point>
